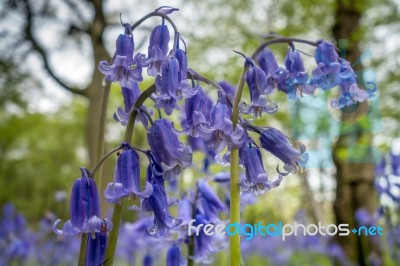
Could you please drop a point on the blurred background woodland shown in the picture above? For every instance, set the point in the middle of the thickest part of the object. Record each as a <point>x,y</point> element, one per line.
<point>51,93</point>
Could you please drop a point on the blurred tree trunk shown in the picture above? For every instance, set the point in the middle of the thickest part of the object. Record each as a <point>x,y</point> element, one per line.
<point>94,90</point>
<point>352,153</point>
<point>94,30</point>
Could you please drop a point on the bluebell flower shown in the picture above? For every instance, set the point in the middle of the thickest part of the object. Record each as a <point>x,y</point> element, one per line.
<point>229,90</point>
<point>130,96</point>
<point>158,203</point>
<point>84,208</point>
<point>327,73</point>
<point>171,85</point>
<point>158,49</point>
<point>126,177</point>
<point>96,248</point>
<point>259,88</point>
<point>197,112</point>
<point>210,204</point>
<point>256,177</point>
<point>275,74</point>
<point>219,132</point>
<point>279,145</point>
<point>296,81</point>
<point>181,57</point>
<point>172,155</point>
<point>205,246</point>
<point>173,256</point>
<point>350,94</point>
<point>124,67</point>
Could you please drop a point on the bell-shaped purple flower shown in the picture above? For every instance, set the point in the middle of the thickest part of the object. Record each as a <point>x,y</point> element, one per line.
<point>351,94</point>
<point>173,256</point>
<point>229,90</point>
<point>197,111</point>
<point>121,69</point>
<point>327,73</point>
<point>84,208</point>
<point>158,203</point>
<point>256,177</point>
<point>210,204</point>
<point>297,79</point>
<point>172,155</point>
<point>219,131</point>
<point>158,49</point>
<point>275,74</point>
<point>96,247</point>
<point>279,145</point>
<point>170,87</point>
<point>181,57</point>
<point>130,96</point>
<point>126,177</point>
<point>259,88</point>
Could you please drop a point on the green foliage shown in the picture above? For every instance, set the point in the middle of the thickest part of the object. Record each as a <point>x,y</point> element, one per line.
<point>40,155</point>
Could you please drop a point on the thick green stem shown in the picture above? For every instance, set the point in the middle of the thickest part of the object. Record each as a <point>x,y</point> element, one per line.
<point>99,154</point>
<point>234,251</point>
<point>117,213</point>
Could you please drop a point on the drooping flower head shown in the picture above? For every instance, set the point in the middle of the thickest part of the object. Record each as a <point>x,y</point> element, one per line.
<point>126,177</point>
<point>171,85</point>
<point>256,177</point>
<point>172,155</point>
<point>279,145</point>
<point>84,208</point>
<point>158,49</point>
<point>197,111</point>
<point>158,203</point>
<point>121,68</point>
<point>219,132</point>
<point>296,81</point>
<point>351,94</point>
<point>275,74</point>
<point>130,96</point>
<point>259,88</point>
<point>210,204</point>
<point>327,73</point>
<point>229,90</point>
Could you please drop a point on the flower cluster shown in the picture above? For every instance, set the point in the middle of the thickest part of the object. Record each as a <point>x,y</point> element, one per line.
<point>215,125</point>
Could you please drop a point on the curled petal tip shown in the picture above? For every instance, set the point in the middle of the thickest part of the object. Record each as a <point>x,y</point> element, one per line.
<point>55,229</point>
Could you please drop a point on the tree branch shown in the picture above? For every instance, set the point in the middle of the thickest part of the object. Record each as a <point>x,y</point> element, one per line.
<point>39,49</point>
